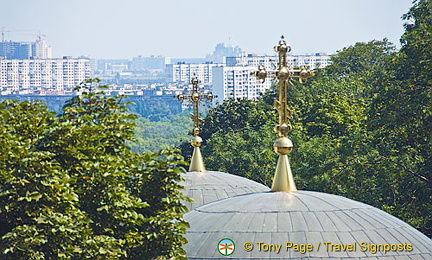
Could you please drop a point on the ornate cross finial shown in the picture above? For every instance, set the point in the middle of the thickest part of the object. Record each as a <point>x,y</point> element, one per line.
<point>195,97</point>
<point>284,75</point>
<point>283,179</point>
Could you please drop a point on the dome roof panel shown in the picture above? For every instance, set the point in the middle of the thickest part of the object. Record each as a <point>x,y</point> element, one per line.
<point>328,221</point>
<point>298,221</point>
<point>256,224</point>
<point>285,220</point>
<point>313,222</point>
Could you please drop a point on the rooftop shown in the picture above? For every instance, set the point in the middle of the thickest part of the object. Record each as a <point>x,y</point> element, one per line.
<point>209,186</point>
<point>301,218</point>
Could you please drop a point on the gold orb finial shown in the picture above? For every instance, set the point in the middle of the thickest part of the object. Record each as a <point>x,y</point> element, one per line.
<point>283,146</point>
<point>196,141</point>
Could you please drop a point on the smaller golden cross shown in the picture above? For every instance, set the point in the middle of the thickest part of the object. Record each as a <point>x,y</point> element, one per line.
<point>195,97</point>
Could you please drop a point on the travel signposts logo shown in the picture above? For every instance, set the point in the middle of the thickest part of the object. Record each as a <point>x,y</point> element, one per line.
<point>226,247</point>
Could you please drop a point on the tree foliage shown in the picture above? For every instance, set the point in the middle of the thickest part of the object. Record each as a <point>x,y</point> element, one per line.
<point>70,187</point>
<point>401,119</point>
<point>154,136</point>
<point>39,214</point>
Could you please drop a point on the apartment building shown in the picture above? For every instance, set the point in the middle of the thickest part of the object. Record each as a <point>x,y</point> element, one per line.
<point>313,61</point>
<point>184,72</point>
<point>55,76</point>
<point>237,82</point>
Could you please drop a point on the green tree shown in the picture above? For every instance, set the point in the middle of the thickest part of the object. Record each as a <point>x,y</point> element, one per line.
<point>158,184</point>
<point>89,143</point>
<point>361,58</point>
<point>247,152</point>
<point>72,188</point>
<point>235,114</point>
<point>39,216</point>
<point>401,120</point>
<point>155,136</point>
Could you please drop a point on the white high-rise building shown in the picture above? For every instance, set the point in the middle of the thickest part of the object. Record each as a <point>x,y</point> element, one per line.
<point>184,72</point>
<point>41,50</point>
<point>237,82</point>
<point>50,76</point>
<point>313,61</point>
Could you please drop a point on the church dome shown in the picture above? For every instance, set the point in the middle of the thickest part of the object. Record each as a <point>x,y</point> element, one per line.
<point>208,186</point>
<point>300,224</point>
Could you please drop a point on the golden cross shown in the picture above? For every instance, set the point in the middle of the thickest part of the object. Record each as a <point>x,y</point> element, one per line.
<point>284,76</point>
<point>195,97</point>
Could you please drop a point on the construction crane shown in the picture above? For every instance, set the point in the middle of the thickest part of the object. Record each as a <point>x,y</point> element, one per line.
<point>40,35</point>
<point>3,31</point>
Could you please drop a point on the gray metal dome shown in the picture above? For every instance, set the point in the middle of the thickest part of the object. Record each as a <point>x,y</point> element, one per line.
<point>209,186</point>
<point>335,227</point>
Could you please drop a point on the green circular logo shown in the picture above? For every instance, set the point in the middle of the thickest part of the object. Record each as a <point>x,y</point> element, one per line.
<point>226,247</point>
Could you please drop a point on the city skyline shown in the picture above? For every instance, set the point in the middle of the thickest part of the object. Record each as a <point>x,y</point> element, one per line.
<point>191,29</point>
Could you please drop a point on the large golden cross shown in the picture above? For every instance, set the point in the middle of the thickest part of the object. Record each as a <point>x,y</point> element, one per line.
<point>284,75</point>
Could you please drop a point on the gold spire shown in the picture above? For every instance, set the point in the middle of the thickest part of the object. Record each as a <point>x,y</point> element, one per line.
<point>197,163</point>
<point>283,179</point>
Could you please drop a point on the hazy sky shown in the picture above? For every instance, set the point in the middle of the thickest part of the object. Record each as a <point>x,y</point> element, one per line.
<point>192,28</point>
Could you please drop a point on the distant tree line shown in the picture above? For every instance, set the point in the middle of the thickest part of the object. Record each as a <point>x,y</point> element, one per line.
<point>169,132</point>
